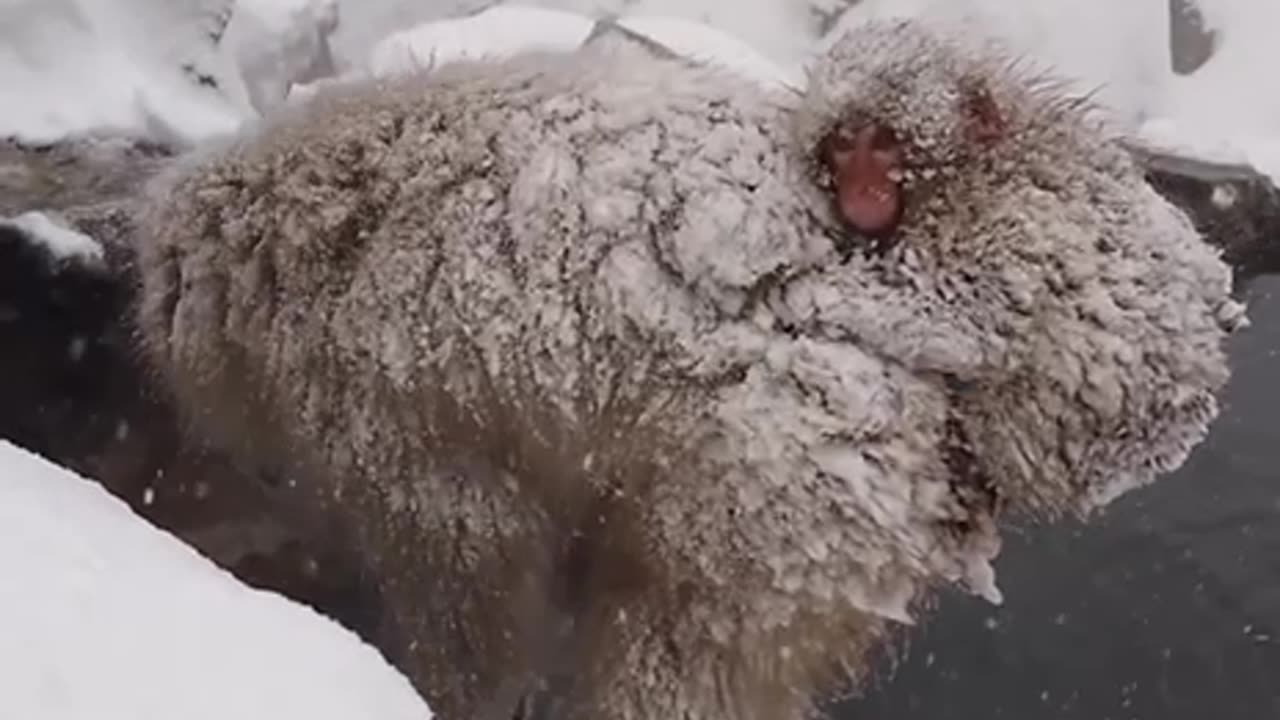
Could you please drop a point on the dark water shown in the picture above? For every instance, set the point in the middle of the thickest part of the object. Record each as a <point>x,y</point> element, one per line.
<point>1166,608</point>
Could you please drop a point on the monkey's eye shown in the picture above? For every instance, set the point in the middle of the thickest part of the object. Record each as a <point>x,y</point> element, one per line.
<point>875,137</point>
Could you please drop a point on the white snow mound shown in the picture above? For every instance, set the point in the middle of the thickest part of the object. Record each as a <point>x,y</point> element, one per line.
<point>104,617</point>
<point>174,71</point>
<point>496,33</point>
<point>1228,111</point>
<point>704,43</point>
<point>59,238</point>
<point>275,44</point>
<point>74,67</point>
<point>506,30</point>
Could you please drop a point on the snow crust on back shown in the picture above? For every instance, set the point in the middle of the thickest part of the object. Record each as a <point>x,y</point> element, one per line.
<point>104,616</point>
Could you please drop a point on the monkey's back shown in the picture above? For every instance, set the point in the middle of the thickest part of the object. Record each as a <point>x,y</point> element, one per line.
<point>466,305</point>
<point>352,228</point>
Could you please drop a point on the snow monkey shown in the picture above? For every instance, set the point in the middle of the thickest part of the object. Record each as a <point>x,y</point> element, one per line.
<point>650,393</point>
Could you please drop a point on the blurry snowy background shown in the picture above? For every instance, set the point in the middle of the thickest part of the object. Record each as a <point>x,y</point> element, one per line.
<point>183,69</point>
<point>104,617</point>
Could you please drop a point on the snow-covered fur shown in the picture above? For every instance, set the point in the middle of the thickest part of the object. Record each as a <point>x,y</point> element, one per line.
<point>627,420</point>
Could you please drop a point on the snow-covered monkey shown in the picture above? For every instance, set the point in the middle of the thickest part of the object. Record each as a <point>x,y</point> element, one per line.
<point>654,394</point>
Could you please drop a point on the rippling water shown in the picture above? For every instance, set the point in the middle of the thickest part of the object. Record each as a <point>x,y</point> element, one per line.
<point>1166,608</point>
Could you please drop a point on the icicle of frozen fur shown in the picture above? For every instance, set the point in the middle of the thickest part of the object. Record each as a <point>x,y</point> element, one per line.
<point>570,337</point>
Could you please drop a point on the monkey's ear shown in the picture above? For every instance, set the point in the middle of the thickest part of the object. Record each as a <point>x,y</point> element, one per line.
<point>984,122</point>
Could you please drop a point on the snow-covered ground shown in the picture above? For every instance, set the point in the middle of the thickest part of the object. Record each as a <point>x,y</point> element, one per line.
<point>103,617</point>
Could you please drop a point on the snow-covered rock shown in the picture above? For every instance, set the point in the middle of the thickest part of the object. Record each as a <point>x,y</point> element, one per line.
<point>275,44</point>
<point>71,67</point>
<point>104,617</point>
<point>498,32</point>
<point>174,71</point>
<point>506,30</point>
<point>1227,110</point>
<point>704,43</point>
<point>57,237</point>
<point>782,30</point>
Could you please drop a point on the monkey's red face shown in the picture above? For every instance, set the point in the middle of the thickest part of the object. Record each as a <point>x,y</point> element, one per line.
<point>880,168</point>
<point>866,170</point>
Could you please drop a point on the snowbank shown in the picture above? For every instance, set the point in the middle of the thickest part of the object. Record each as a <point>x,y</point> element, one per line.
<point>276,43</point>
<point>495,33</point>
<point>704,43</point>
<point>58,238</point>
<point>1228,110</point>
<point>176,71</point>
<point>504,31</point>
<point>70,67</point>
<point>782,30</point>
<point>104,617</point>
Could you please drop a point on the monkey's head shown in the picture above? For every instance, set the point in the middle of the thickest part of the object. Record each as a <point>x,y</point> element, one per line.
<point>908,123</point>
<point>1003,246</point>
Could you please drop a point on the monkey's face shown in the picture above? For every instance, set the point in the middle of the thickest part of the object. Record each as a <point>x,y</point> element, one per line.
<point>907,125</point>
<point>1017,261</point>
